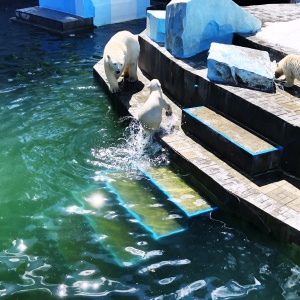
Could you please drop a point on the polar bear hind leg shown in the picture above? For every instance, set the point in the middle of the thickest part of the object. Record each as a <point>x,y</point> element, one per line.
<point>289,81</point>
<point>130,72</point>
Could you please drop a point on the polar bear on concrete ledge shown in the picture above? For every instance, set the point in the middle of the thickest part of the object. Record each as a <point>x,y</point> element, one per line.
<point>121,55</point>
<point>150,115</point>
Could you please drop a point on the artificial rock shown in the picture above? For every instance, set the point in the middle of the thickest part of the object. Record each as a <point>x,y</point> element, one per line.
<point>192,25</point>
<point>156,25</point>
<point>241,66</point>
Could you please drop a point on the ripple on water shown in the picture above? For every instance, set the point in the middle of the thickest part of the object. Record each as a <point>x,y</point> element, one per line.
<point>161,264</point>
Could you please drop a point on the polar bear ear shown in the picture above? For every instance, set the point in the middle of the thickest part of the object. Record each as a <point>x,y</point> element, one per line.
<point>108,57</point>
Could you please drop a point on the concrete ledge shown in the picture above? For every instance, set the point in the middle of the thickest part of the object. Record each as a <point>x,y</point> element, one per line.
<point>258,201</point>
<point>125,103</point>
<point>51,20</point>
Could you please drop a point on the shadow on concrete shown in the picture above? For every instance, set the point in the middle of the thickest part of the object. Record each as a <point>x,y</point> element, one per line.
<point>294,91</point>
<point>128,89</point>
<point>198,61</point>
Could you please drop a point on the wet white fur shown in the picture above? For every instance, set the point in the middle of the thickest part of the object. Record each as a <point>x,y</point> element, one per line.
<point>121,55</point>
<point>290,67</point>
<point>150,115</point>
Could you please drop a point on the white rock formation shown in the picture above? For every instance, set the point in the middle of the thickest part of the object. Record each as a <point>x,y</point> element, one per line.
<point>241,66</point>
<point>192,25</point>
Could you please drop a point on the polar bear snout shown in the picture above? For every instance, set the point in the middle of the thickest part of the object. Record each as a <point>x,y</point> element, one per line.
<point>118,68</point>
<point>154,85</point>
<point>169,113</point>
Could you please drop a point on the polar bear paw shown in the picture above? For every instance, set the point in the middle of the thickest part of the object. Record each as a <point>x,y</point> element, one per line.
<point>131,79</point>
<point>114,89</point>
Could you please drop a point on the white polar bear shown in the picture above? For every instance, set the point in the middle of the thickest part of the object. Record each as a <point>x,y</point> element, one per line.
<point>121,55</point>
<point>150,115</point>
<point>290,67</point>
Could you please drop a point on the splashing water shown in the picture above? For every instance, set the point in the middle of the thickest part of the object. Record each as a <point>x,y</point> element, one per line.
<point>137,149</point>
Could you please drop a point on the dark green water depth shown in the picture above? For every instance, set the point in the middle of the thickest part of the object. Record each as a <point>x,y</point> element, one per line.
<point>64,233</point>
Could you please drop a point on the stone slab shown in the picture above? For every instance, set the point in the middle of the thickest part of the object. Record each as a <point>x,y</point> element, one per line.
<point>240,66</point>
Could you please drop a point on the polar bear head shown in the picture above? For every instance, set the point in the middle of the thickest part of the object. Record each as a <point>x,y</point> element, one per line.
<point>116,62</point>
<point>154,85</point>
<point>278,70</point>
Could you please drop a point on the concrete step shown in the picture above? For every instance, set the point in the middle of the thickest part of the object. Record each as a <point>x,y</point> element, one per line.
<point>248,152</point>
<point>52,20</point>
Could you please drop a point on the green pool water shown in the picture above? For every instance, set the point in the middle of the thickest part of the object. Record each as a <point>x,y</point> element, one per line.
<point>64,231</point>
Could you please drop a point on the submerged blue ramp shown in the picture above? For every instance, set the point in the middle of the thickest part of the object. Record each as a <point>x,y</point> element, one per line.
<point>178,191</point>
<point>112,227</point>
<point>146,203</point>
<point>158,200</point>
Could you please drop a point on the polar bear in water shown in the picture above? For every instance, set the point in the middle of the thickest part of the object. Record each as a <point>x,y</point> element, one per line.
<point>121,55</point>
<point>150,115</point>
<point>290,67</point>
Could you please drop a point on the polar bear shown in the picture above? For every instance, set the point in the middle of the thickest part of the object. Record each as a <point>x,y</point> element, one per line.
<point>290,67</point>
<point>150,115</point>
<point>121,54</point>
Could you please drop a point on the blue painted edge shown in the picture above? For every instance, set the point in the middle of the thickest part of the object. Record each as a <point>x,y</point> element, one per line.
<point>172,200</point>
<point>136,216</point>
<point>278,148</point>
